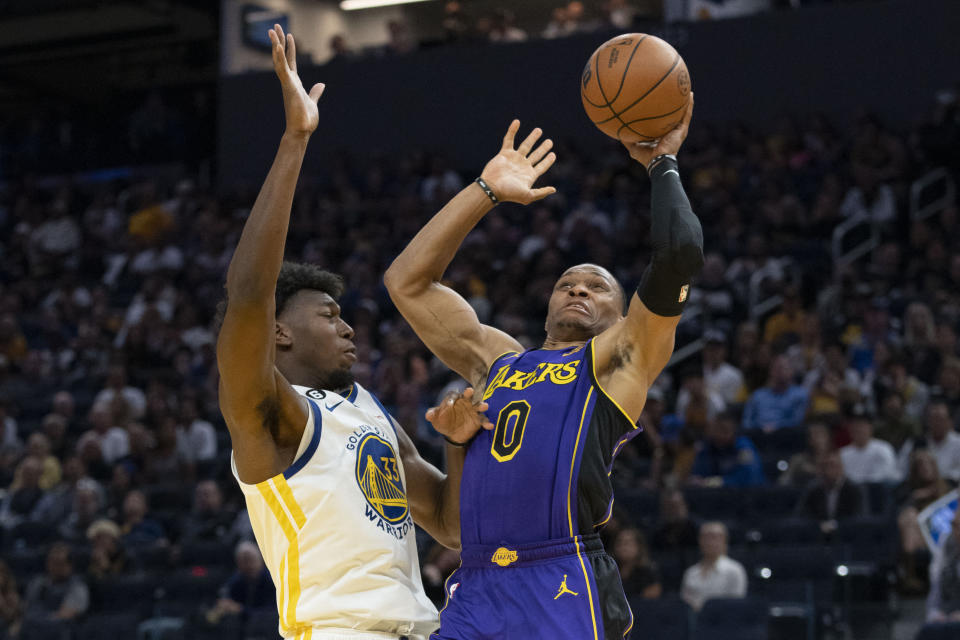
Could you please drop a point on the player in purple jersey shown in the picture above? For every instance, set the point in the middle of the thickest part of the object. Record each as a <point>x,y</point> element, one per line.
<point>536,488</point>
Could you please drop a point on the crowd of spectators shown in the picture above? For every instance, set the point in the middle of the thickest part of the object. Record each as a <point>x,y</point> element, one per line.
<point>115,461</point>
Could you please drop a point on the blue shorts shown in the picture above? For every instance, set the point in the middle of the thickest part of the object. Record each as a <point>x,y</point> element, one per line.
<point>558,590</point>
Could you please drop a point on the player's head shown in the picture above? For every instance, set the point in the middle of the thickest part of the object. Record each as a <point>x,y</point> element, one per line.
<point>586,301</point>
<point>314,344</point>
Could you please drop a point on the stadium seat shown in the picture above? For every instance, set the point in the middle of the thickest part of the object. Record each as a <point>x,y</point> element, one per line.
<point>940,631</point>
<point>772,502</point>
<point>671,566</point>
<point>126,594</point>
<point>207,554</point>
<point>163,628</point>
<point>716,504</point>
<point>164,497</point>
<point>193,586</point>
<point>871,539</point>
<point>879,497</point>
<point>262,624</point>
<point>661,618</point>
<point>790,530</point>
<point>108,625</point>
<point>642,506</point>
<point>30,533</point>
<point>732,619</point>
<point>43,629</point>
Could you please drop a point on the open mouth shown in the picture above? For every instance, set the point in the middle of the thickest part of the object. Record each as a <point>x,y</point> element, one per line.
<point>578,306</point>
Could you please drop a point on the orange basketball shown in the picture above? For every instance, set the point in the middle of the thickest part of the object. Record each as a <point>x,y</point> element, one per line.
<point>635,87</point>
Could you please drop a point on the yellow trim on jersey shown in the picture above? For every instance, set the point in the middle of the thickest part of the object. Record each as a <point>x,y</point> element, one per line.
<point>573,462</point>
<point>596,379</point>
<point>593,615</point>
<point>446,591</point>
<point>279,498</point>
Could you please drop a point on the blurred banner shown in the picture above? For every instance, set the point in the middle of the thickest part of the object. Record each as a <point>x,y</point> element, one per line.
<point>937,519</point>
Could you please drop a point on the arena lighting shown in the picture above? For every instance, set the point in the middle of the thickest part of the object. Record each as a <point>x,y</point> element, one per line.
<point>351,5</point>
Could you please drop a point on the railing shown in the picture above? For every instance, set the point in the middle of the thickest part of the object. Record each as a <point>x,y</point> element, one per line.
<point>845,256</point>
<point>922,186</point>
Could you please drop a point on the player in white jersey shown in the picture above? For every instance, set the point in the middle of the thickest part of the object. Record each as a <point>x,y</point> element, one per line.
<point>333,485</point>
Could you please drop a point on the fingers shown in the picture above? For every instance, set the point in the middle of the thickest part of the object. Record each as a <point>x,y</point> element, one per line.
<point>542,192</point>
<point>291,53</point>
<point>529,141</point>
<point>431,414</point>
<point>542,166</point>
<point>541,151</point>
<point>689,113</point>
<point>468,393</point>
<point>316,91</point>
<point>511,132</point>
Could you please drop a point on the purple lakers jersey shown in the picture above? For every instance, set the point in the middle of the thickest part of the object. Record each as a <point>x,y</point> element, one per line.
<point>543,472</point>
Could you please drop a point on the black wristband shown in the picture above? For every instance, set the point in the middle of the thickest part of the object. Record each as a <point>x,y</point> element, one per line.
<point>668,160</point>
<point>462,445</point>
<point>487,190</point>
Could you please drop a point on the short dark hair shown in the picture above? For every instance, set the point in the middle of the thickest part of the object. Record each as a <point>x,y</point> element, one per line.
<point>294,277</point>
<point>297,276</point>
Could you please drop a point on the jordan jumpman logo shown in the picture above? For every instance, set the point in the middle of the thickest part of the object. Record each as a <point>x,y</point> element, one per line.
<point>564,589</point>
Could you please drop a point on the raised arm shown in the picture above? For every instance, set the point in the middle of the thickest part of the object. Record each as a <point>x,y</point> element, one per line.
<point>445,321</point>
<point>632,353</point>
<point>264,414</point>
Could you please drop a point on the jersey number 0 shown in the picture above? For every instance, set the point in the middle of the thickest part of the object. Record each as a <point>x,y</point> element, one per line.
<point>511,422</point>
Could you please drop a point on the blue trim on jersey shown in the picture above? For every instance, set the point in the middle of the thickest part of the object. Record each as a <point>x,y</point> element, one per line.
<point>302,461</point>
<point>386,414</point>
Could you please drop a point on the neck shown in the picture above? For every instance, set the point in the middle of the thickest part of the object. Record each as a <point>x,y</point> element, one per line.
<point>710,561</point>
<point>554,344</point>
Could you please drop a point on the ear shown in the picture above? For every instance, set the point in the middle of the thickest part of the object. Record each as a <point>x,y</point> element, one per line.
<point>284,337</point>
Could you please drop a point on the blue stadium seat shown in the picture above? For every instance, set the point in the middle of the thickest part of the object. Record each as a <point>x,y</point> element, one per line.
<point>940,631</point>
<point>661,618</point>
<point>671,566</point>
<point>879,497</point>
<point>871,538</point>
<point>43,629</point>
<point>126,594</point>
<point>207,554</point>
<point>108,625</point>
<point>732,619</point>
<point>642,506</point>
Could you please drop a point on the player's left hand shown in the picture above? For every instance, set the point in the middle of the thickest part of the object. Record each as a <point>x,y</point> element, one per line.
<point>457,417</point>
<point>644,152</point>
<point>512,172</point>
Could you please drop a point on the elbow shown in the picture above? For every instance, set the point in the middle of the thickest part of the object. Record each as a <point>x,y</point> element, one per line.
<point>401,283</point>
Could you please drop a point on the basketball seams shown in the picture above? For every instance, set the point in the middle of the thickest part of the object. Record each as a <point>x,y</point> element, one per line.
<point>604,94</point>
<point>676,61</point>
<point>626,68</point>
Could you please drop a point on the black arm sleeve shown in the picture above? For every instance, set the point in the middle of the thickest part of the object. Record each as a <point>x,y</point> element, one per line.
<point>676,240</point>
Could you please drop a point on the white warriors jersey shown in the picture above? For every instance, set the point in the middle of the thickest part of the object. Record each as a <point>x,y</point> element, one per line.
<point>335,528</point>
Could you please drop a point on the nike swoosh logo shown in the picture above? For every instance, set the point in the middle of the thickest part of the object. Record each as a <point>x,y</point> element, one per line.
<point>329,408</point>
<point>671,171</point>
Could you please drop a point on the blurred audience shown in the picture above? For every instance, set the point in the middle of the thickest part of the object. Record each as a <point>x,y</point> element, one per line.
<point>716,575</point>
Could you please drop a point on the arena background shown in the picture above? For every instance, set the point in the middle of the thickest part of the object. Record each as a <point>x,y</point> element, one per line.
<point>822,160</point>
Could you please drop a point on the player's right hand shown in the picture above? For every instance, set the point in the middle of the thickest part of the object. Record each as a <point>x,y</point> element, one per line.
<point>644,152</point>
<point>300,107</point>
<point>458,417</point>
<point>512,172</point>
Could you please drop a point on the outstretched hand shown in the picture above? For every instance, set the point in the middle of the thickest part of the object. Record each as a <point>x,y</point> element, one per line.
<point>457,417</point>
<point>644,152</point>
<point>512,172</point>
<point>300,107</point>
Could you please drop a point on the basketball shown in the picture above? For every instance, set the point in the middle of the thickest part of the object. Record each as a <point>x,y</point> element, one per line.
<point>635,87</point>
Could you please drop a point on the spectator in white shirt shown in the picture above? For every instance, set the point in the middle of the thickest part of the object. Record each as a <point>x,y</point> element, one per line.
<point>943,441</point>
<point>117,385</point>
<point>196,438</point>
<point>867,459</point>
<point>114,440</point>
<point>716,575</point>
<point>720,376</point>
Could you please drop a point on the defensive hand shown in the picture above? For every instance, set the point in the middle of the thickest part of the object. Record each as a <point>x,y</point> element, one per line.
<point>300,107</point>
<point>458,418</point>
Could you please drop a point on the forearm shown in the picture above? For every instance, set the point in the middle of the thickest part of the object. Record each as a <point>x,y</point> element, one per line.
<point>427,256</point>
<point>676,243</point>
<point>448,501</point>
<point>256,262</point>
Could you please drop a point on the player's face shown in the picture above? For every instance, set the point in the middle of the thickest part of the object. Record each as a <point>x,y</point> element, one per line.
<point>313,331</point>
<point>585,302</point>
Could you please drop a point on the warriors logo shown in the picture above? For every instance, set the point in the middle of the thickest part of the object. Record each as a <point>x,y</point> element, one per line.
<point>378,475</point>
